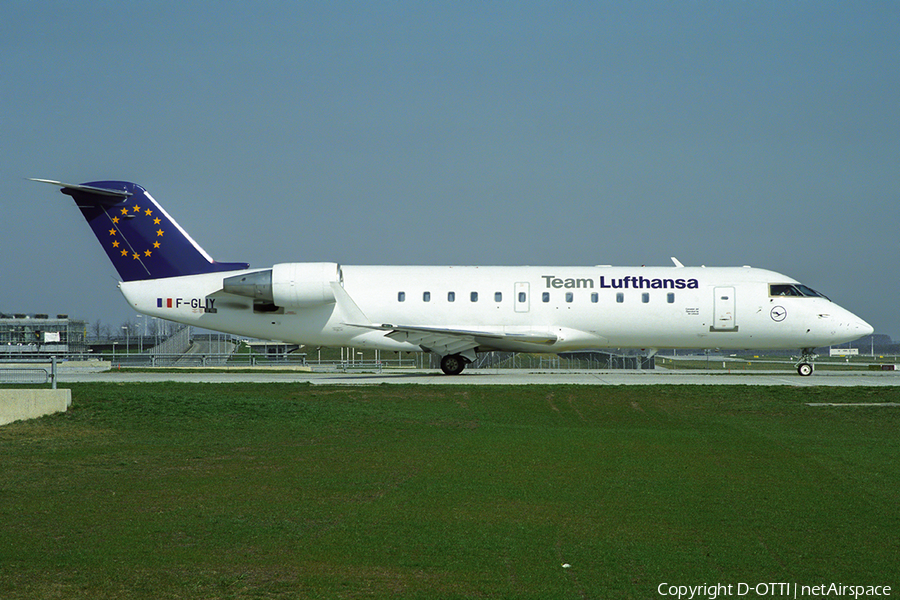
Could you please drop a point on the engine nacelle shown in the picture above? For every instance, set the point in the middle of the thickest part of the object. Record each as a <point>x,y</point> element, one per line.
<point>301,285</point>
<point>288,285</point>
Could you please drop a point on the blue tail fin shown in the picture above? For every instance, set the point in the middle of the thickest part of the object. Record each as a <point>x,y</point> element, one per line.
<point>140,238</point>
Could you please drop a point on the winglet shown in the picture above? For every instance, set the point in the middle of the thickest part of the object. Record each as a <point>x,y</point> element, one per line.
<point>677,262</point>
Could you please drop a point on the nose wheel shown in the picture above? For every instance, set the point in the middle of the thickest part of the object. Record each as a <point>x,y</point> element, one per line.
<point>805,364</point>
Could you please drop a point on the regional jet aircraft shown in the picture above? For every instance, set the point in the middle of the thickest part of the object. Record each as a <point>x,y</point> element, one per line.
<point>453,311</point>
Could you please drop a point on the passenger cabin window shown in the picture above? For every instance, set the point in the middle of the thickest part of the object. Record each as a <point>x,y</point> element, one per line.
<point>595,297</point>
<point>451,296</point>
<point>670,298</point>
<point>426,296</point>
<point>645,297</point>
<point>545,297</point>
<point>473,296</point>
<point>620,297</point>
<point>401,296</point>
<point>522,297</point>
<point>498,297</point>
<point>569,296</point>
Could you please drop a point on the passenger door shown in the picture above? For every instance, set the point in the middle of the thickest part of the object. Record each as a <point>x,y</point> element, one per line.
<point>723,310</point>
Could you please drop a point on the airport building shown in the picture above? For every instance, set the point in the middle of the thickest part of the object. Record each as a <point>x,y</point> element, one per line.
<point>39,335</point>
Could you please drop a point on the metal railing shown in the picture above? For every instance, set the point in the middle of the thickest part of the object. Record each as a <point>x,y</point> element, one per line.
<point>418,360</point>
<point>24,375</point>
<point>29,375</point>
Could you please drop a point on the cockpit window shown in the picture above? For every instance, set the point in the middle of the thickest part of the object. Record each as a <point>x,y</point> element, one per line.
<point>783,289</point>
<point>794,289</point>
<point>808,291</point>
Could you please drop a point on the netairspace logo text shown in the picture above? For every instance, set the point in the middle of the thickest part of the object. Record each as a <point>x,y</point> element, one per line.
<point>785,590</point>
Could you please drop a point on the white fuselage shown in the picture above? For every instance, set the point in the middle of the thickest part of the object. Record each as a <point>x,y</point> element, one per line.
<point>578,307</point>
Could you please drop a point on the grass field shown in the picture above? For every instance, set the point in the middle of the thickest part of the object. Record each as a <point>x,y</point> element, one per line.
<point>294,491</point>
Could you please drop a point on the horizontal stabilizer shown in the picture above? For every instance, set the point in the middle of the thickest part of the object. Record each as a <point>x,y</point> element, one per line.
<point>111,196</point>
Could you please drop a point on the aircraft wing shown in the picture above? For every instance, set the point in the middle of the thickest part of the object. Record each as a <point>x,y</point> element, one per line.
<point>443,341</point>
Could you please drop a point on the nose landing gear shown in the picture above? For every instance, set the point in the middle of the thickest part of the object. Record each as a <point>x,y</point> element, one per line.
<point>805,364</point>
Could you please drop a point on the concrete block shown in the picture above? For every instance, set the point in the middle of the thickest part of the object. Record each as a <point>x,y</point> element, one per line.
<point>18,405</point>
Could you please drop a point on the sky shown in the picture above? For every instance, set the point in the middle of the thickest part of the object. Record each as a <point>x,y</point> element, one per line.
<point>465,132</point>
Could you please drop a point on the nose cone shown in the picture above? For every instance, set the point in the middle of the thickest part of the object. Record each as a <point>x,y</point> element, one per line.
<point>863,328</point>
<point>855,328</point>
<point>841,326</point>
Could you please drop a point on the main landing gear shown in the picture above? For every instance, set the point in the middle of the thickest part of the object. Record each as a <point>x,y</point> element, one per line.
<point>805,364</point>
<point>453,364</point>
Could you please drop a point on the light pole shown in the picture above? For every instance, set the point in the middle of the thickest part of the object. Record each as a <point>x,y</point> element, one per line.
<point>127,340</point>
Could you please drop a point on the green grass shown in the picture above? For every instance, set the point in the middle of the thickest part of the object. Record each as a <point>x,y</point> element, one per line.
<point>295,491</point>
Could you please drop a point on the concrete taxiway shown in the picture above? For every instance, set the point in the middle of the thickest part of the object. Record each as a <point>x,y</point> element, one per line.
<point>498,377</point>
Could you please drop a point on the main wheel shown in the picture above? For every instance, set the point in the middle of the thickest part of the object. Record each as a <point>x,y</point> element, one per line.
<point>805,369</point>
<point>453,364</point>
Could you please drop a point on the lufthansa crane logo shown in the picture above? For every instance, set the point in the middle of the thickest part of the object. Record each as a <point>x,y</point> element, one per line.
<point>778,313</point>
